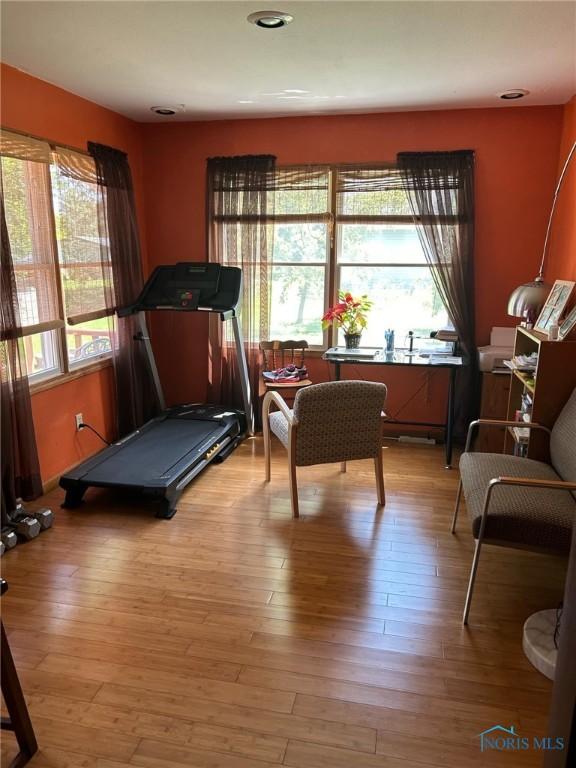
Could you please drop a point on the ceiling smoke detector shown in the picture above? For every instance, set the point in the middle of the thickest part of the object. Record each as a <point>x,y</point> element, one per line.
<point>270,19</point>
<point>515,93</point>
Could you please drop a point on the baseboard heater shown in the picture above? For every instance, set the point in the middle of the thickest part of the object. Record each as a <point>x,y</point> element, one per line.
<point>414,439</point>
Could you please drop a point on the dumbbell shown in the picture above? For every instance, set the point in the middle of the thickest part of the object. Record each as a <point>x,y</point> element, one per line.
<point>44,516</point>
<point>9,538</point>
<point>28,528</point>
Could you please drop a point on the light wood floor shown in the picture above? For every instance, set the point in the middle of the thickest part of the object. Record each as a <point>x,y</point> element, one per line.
<point>235,637</point>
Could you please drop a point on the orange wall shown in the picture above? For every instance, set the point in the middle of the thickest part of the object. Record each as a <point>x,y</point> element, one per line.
<point>516,165</point>
<point>517,157</point>
<point>36,107</point>
<point>562,255</point>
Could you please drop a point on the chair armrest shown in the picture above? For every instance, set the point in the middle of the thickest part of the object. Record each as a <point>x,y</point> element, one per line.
<point>278,400</point>
<point>529,482</point>
<point>500,423</point>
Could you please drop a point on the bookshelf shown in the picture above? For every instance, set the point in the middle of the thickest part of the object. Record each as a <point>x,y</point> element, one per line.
<point>549,388</point>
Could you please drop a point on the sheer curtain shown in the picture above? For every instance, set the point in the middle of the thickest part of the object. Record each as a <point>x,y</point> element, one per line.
<point>136,399</point>
<point>440,187</point>
<point>239,209</point>
<point>19,463</point>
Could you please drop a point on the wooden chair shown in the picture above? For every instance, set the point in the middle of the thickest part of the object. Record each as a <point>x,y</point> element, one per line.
<point>19,719</point>
<point>278,354</point>
<point>338,421</point>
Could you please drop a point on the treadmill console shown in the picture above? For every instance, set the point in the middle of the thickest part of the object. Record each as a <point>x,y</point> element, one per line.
<point>189,286</point>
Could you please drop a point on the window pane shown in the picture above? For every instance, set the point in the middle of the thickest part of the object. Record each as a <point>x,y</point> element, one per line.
<point>302,242</point>
<point>297,303</point>
<point>405,299</point>
<point>41,350</point>
<point>86,279</point>
<point>28,220</point>
<point>380,243</point>
<point>89,341</point>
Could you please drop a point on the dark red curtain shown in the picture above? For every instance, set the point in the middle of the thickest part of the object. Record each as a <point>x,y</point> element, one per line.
<point>440,188</point>
<point>19,461</point>
<point>136,399</point>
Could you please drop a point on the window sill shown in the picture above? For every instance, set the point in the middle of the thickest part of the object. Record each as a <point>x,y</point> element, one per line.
<point>64,378</point>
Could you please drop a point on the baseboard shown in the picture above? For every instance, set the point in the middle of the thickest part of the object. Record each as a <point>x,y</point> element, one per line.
<point>401,430</point>
<point>53,482</point>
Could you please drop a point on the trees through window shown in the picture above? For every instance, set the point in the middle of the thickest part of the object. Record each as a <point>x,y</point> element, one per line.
<point>57,245</point>
<point>351,229</point>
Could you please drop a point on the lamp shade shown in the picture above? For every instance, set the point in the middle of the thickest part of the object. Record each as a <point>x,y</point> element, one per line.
<point>528,299</point>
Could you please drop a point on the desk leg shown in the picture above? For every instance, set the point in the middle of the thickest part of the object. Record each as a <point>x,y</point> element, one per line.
<point>450,418</point>
<point>337,371</point>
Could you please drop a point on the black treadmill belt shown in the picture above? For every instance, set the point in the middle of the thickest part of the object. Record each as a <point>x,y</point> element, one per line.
<point>150,455</point>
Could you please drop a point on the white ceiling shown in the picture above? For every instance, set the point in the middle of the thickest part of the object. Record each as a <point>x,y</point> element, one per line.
<point>335,57</point>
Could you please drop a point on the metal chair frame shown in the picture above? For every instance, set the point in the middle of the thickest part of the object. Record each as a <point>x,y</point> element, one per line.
<point>494,483</point>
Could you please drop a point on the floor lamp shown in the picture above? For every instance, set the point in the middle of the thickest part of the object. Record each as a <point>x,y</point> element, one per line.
<point>527,300</point>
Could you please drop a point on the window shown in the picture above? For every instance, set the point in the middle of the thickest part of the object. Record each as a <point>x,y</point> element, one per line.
<point>302,224</point>
<point>378,252</point>
<point>63,281</point>
<point>350,229</point>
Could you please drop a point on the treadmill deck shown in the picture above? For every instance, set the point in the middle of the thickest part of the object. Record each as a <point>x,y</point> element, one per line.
<point>155,456</point>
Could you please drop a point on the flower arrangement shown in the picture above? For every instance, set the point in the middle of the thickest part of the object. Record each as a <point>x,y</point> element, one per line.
<point>349,313</point>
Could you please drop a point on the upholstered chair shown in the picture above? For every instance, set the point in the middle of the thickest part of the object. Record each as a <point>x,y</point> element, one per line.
<point>334,422</point>
<point>519,502</point>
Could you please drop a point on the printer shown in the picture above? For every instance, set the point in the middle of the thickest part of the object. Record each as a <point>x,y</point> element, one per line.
<point>501,347</point>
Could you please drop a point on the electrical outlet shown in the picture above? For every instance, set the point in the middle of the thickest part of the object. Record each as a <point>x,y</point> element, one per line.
<point>79,421</point>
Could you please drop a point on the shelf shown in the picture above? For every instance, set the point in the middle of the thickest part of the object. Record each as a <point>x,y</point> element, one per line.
<point>549,386</point>
<point>520,435</point>
<point>533,334</point>
<point>527,379</point>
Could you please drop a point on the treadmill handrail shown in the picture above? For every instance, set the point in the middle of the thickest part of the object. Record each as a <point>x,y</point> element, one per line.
<point>134,309</point>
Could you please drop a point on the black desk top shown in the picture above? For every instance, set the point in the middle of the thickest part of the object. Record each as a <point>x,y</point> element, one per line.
<point>397,357</point>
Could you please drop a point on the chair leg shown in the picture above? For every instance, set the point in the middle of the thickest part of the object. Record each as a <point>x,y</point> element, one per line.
<point>293,487</point>
<point>472,580</point>
<point>379,471</point>
<point>456,506</point>
<point>266,431</point>
<point>19,720</point>
<point>342,466</point>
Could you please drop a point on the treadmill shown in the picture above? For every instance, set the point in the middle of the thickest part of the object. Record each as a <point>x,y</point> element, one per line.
<point>169,451</point>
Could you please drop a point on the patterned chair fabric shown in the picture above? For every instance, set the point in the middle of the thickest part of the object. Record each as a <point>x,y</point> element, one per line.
<point>336,421</point>
<point>563,441</point>
<point>539,518</point>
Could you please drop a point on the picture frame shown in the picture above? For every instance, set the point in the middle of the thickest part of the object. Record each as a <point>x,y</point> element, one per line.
<point>568,325</point>
<point>554,306</point>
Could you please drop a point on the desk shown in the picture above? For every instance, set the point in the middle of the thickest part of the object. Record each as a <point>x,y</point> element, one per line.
<point>402,357</point>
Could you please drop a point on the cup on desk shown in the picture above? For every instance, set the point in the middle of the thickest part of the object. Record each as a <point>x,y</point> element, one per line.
<point>389,340</point>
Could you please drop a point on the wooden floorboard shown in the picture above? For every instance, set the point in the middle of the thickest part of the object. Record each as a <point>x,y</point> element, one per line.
<point>235,637</point>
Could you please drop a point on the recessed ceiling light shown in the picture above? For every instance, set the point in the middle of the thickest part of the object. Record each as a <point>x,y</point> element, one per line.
<point>163,110</point>
<point>515,93</point>
<point>167,111</point>
<point>245,101</point>
<point>270,19</point>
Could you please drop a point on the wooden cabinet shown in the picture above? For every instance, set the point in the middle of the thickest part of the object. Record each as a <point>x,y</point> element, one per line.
<point>495,395</point>
<point>549,387</point>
